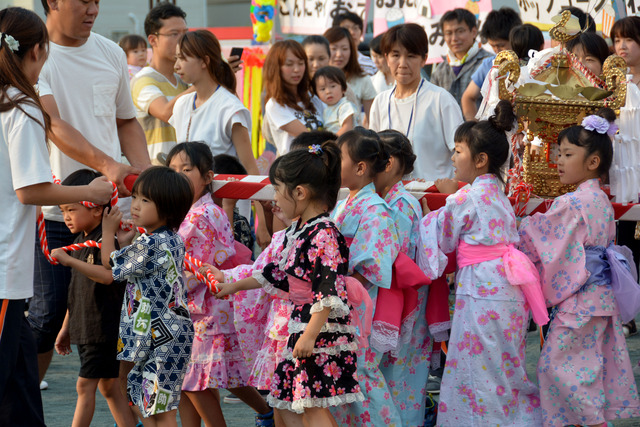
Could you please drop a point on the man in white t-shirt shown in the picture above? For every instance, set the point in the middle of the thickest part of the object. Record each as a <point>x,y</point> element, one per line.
<point>84,86</point>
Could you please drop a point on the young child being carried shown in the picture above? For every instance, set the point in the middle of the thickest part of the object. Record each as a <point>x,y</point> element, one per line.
<point>330,85</point>
<point>484,381</point>
<point>318,369</point>
<point>155,329</point>
<point>584,368</point>
<point>93,313</point>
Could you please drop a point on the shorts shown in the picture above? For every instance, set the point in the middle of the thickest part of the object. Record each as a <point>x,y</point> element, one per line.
<point>99,360</point>
<point>48,306</point>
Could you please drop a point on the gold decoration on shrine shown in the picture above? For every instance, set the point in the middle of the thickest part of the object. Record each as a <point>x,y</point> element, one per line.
<point>563,91</point>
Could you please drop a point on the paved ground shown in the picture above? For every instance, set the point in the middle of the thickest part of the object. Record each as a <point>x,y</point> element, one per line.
<point>59,399</point>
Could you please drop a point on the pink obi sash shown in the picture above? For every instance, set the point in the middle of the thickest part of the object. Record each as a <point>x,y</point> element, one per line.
<point>518,268</point>
<point>300,293</point>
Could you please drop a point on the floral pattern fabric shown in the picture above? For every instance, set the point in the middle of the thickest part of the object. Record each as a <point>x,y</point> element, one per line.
<point>217,360</point>
<point>316,255</point>
<point>407,371</point>
<point>261,319</point>
<point>367,223</point>
<point>155,329</point>
<point>584,369</point>
<point>484,380</point>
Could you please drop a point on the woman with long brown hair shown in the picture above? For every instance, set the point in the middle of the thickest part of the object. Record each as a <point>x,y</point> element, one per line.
<point>290,108</point>
<point>344,55</point>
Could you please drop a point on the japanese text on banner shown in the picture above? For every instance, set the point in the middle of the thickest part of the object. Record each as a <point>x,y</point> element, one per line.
<point>387,13</point>
<point>315,16</point>
<point>540,12</point>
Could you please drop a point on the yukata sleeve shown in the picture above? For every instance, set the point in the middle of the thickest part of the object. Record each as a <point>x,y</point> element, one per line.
<point>269,255</point>
<point>208,238</point>
<point>143,258</point>
<point>375,247</point>
<point>327,264</point>
<point>554,243</point>
<point>441,230</point>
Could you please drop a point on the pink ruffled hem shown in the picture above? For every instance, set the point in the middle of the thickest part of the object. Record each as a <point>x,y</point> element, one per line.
<point>223,374</point>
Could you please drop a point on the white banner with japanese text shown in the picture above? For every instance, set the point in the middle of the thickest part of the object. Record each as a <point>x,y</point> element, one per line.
<point>387,13</point>
<point>315,16</point>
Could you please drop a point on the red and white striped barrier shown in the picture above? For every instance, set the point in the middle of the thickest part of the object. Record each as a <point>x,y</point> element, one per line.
<point>259,188</point>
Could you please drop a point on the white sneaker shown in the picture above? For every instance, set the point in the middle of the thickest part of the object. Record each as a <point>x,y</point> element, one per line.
<point>625,330</point>
<point>44,385</point>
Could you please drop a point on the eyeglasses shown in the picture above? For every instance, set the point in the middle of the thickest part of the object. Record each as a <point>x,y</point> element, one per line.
<point>173,34</point>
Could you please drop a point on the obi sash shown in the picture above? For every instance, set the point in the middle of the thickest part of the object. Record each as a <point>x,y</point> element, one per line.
<point>300,293</point>
<point>243,256</point>
<point>519,270</point>
<point>613,265</point>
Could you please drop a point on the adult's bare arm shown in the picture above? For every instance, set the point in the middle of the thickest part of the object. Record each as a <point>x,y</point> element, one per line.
<point>72,143</point>
<point>133,142</point>
<point>162,109</point>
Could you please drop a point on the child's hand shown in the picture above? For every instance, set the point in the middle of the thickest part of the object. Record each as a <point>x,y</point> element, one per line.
<point>219,275</point>
<point>446,185</point>
<point>63,342</point>
<point>304,347</point>
<point>62,256</point>
<point>111,220</point>
<point>277,212</point>
<point>425,206</point>
<point>100,191</point>
<point>125,237</point>
<point>225,289</point>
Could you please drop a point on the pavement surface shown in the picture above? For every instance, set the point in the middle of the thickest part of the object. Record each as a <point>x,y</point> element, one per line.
<point>60,399</point>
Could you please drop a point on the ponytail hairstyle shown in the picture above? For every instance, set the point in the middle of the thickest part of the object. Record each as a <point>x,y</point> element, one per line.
<point>594,139</point>
<point>200,156</point>
<point>275,86</point>
<point>353,68</point>
<point>364,145</point>
<point>317,167</point>
<point>204,45</point>
<point>488,136</point>
<point>23,27</point>
<point>398,146</point>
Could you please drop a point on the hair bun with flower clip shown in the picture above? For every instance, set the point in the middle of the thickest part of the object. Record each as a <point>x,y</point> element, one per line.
<point>599,124</point>
<point>13,44</point>
<point>315,149</point>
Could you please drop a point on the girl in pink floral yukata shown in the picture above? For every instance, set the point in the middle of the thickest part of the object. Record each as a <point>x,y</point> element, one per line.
<point>584,369</point>
<point>484,381</point>
<point>217,360</point>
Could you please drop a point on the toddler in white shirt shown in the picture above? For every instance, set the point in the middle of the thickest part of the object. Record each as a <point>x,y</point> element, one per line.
<point>330,85</point>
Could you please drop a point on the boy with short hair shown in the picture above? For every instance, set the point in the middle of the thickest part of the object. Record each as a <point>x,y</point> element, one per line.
<point>354,24</point>
<point>495,31</point>
<point>93,313</point>
<point>465,55</point>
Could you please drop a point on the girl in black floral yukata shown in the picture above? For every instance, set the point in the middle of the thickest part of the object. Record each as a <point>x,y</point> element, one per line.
<point>319,365</point>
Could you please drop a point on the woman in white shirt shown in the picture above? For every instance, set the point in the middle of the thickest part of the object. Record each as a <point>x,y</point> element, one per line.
<point>425,113</point>
<point>290,109</point>
<point>213,113</point>
<point>344,56</point>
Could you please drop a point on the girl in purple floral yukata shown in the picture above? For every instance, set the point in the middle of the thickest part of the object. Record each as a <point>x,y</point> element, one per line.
<point>584,369</point>
<point>484,381</point>
<point>318,367</point>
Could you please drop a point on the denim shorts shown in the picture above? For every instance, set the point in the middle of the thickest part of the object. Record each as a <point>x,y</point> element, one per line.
<point>48,306</point>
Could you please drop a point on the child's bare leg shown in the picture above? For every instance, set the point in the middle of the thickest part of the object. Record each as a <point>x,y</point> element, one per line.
<point>86,388</point>
<point>166,419</point>
<point>125,368</point>
<point>318,417</point>
<point>188,413</point>
<point>207,403</point>
<point>291,419</point>
<point>277,419</point>
<point>251,397</point>
<point>118,404</point>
